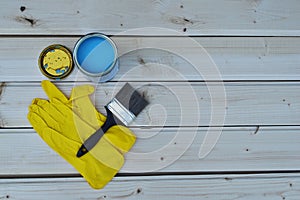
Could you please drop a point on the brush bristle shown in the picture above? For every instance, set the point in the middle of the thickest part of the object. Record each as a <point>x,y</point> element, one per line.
<point>131,99</point>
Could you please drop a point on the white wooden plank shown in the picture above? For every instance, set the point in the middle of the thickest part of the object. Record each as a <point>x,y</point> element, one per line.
<point>238,149</point>
<point>237,58</point>
<point>242,187</point>
<point>267,17</point>
<point>175,104</point>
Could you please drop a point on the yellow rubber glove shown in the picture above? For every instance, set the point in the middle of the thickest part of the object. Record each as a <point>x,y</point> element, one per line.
<point>59,123</point>
<point>121,137</point>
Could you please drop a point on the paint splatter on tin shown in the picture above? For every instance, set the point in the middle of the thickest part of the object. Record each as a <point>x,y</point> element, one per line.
<point>56,62</point>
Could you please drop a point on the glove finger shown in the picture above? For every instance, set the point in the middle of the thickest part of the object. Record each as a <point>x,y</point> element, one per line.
<point>79,130</point>
<point>120,137</point>
<point>45,116</point>
<point>52,91</point>
<point>36,121</point>
<point>62,108</point>
<point>84,107</point>
<point>81,91</point>
<point>59,142</point>
<point>51,109</point>
<point>36,100</point>
<point>87,112</point>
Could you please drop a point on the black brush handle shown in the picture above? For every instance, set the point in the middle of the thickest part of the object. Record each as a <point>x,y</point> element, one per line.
<point>94,139</point>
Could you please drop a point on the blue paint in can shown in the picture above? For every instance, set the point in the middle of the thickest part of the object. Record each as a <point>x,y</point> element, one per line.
<point>96,56</point>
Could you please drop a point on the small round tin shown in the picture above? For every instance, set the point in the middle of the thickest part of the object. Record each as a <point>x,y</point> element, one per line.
<point>56,61</point>
<point>96,56</point>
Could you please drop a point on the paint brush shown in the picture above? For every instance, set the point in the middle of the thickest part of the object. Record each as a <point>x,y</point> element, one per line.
<point>121,110</point>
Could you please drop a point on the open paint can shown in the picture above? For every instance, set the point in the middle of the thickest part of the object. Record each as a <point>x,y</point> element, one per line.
<point>96,56</point>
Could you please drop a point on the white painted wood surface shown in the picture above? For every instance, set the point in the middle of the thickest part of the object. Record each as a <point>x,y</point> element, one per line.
<point>259,145</point>
<point>207,17</point>
<point>237,58</point>
<point>221,187</point>
<point>173,104</point>
<point>238,149</point>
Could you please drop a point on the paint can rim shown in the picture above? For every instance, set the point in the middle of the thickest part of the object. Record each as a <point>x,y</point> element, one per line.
<point>110,68</point>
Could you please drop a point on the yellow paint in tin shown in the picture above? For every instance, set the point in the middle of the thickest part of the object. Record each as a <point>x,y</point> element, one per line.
<point>56,62</point>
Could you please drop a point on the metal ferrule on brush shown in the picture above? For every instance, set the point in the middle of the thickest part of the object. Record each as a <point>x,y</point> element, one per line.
<point>119,111</point>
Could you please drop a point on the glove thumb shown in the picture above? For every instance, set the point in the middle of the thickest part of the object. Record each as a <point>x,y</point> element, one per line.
<point>52,91</point>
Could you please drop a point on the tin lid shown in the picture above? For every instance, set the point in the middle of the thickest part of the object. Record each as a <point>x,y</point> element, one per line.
<point>55,61</point>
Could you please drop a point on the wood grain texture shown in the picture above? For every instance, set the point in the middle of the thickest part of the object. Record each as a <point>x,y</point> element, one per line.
<point>222,187</point>
<point>252,17</point>
<point>238,149</point>
<point>177,103</point>
<point>236,58</point>
<point>262,99</point>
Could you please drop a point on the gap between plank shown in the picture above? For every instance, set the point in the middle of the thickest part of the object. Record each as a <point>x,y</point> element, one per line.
<point>153,174</point>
